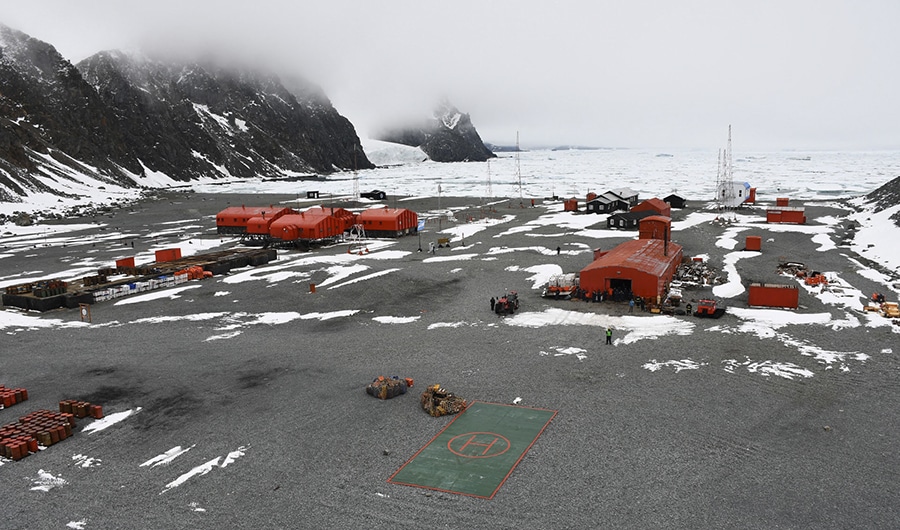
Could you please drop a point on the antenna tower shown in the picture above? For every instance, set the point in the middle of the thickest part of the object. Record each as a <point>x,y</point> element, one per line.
<point>355,178</point>
<point>490,193</point>
<point>518,169</point>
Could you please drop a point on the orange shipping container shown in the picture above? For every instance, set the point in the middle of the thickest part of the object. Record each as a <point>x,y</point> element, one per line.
<point>168,254</point>
<point>753,243</point>
<point>788,215</point>
<point>782,201</point>
<point>125,263</point>
<point>774,295</point>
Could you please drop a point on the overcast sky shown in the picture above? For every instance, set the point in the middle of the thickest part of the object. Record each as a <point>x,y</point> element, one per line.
<point>817,74</point>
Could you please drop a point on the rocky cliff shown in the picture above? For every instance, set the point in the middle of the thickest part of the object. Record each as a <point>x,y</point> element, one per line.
<point>115,117</point>
<point>449,136</point>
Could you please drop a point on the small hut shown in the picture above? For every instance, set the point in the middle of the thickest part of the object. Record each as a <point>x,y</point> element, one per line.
<point>675,201</point>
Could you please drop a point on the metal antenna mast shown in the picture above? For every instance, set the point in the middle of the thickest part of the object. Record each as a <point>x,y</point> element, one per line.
<point>490,193</point>
<point>518,169</point>
<point>355,178</point>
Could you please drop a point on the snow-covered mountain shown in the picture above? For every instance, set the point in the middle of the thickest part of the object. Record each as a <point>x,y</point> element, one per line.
<point>118,118</point>
<point>448,136</point>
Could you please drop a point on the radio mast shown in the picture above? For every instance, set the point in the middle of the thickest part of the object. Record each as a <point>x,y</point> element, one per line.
<point>518,169</point>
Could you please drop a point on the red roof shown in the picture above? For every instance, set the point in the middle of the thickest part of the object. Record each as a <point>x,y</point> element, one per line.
<point>656,205</point>
<point>645,255</point>
<point>383,213</point>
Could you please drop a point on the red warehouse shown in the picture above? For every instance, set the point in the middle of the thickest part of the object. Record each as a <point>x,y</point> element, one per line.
<point>658,206</point>
<point>304,228</point>
<point>788,215</point>
<point>234,219</point>
<point>655,227</point>
<point>388,222</point>
<point>774,295</point>
<point>642,267</point>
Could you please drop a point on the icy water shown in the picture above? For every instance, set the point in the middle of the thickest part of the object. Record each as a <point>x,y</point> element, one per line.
<point>574,173</point>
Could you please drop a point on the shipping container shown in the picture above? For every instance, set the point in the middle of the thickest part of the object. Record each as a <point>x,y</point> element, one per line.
<point>753,243</point>
<point>168,254</point>
<point>787,215</point>
<point>774,295</point>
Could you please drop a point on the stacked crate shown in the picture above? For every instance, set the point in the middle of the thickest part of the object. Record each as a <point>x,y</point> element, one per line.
<point>43,428</point>
<point>11,396</point>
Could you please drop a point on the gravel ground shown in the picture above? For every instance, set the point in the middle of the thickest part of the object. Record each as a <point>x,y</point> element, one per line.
<point>629,448</point>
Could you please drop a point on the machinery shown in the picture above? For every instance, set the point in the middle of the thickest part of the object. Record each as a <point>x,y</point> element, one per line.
<point>709,308</point>
<point>507,304</point>
<point>561,286</point>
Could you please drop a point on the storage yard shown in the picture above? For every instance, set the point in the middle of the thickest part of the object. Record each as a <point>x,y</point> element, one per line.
<point>241,397</point>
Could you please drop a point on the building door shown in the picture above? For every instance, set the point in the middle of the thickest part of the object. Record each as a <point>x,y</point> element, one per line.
<point>621,289</point>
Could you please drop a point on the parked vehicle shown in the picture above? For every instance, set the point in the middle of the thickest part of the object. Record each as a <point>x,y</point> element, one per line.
<point>709,308</point>
<point>507,304</point>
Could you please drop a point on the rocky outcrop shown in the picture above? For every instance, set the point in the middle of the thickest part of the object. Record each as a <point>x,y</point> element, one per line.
<point>886,196</point>
<point>115,117</point>
<point>52,121</point>
<point>449,136</point>
<point>193,120</point>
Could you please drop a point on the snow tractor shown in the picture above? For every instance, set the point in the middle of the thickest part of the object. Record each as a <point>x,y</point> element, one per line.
<point>708,308</point>
<point>507,304</point>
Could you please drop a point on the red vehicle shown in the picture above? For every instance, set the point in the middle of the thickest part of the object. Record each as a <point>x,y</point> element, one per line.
<point>709,308</point>
<point>507,304</point>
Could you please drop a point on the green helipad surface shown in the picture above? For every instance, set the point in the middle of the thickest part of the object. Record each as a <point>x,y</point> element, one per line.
<point>477,451</point>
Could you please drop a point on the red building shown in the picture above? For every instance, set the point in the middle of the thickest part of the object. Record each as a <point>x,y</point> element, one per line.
<point>388,222</point>
<point>234,219</point>
<point>658,206</point>
<point>642,267</point>
<point>655,227</point>
<point>787,214</point>
<point>304,228</point>
<point>345,217</point>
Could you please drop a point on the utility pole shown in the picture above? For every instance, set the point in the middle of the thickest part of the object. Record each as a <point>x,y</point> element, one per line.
<point>518,170</point>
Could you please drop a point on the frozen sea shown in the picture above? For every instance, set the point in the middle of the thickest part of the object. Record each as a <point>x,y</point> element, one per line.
<point>573,173</point>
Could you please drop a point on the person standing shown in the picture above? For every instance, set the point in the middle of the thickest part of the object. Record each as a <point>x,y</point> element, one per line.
<point>493,302</point>
<point>609,335</point>
<point>557,250</point>
<point>631,306</point>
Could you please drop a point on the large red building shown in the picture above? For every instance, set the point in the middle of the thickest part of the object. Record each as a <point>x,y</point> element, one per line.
<point>643,267</point>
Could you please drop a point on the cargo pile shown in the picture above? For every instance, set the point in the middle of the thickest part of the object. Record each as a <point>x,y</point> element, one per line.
<point>40,289</point>
<point>194,273</point>
<point>43,428</point>
<point>439,402</point>
<point>11,396</point>
<point>384,387</point>
<point>697,273</point>
<point>127,289</point>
